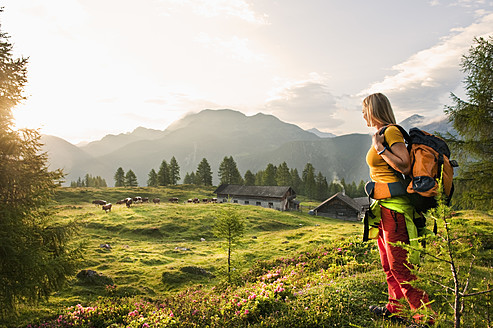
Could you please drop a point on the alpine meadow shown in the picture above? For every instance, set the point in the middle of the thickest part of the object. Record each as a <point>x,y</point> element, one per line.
<point>135,234</point>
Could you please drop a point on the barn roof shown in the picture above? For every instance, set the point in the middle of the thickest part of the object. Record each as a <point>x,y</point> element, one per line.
<point>346,199</point>
<point>362,201</point>
<point>252,191</point>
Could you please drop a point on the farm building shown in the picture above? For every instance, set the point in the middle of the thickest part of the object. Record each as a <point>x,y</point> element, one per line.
<point>342,207</point>
<point>276,197</point>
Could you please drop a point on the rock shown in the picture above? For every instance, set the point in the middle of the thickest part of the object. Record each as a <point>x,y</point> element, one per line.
<point>91,277</point>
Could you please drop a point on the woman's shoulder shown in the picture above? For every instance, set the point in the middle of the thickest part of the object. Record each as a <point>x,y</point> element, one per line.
<point>393,134</point>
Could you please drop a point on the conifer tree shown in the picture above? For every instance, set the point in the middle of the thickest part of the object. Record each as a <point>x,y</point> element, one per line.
<point>249,179</point>
<point>119,177</point>
<point>189,179</point>
<point>174,171</point>
<point>473,120</point>
<point>283,177</point>
<point>322,187</point>
<point>34,258</point>
<point>308,178</point>
<point>163,175</point>
<point>203,176</point>
<point>131,179</point>
<point>295,180</point>
<point>228,172</point>
<point>269,176</point>
<point>152,180</point>
<point>259,177</point>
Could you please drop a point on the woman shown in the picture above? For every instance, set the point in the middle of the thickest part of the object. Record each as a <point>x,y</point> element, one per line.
<point>392,211</point>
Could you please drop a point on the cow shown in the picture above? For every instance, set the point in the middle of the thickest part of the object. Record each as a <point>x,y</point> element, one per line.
<point>99,202</point>
<point>145,199</point>
<point>106,207</point>
<point>137,199</point>
<point>128,201</point>
<point>173,200</point>
<point>121,201</point>
<point>156,200</point>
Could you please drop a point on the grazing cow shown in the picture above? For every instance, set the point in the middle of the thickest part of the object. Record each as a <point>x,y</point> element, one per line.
<point>196,200</point>
<point>214,200</point>
<point>121,201</point>
<point>173,200</point>
<point>128,201</point>
<point>107,207</point>
<point>99,202</point>
<point>156,200</point>
<point>137,199</point>
<point>205,200</point>
<point>145,199</point>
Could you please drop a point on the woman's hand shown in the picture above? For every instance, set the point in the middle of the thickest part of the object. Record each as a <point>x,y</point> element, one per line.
<point>377,141</point>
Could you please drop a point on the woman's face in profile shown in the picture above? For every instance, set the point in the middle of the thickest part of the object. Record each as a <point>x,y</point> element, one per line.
<point>365,116</point>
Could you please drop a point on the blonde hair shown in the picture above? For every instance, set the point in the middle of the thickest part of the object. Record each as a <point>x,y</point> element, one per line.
<point>378,109</point>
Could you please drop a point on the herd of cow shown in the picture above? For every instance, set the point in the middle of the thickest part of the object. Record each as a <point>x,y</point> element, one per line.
<point>105,206</point>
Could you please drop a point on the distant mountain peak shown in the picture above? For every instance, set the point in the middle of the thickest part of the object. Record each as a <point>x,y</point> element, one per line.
<point>321,134</point>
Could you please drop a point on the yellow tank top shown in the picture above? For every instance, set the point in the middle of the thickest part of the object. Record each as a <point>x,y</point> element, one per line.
<point>380,171</point>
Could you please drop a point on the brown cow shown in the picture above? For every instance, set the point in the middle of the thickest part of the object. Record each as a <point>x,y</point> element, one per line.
<point>173,200</point>
<point>156,200</point>
<point>106,207</point>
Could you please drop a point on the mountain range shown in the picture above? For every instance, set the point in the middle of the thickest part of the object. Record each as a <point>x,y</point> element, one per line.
<point>253,141</point>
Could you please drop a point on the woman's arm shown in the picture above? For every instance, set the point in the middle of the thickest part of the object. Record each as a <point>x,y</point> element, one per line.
<point>397,157</point>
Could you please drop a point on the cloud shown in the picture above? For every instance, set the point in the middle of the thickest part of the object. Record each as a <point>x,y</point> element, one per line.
<point>423,81</point>
<point>235,48</point>
<point>228,8</point>
<point>307,103</point>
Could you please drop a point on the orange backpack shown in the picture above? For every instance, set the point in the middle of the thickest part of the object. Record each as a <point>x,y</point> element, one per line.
<point>429,155</point>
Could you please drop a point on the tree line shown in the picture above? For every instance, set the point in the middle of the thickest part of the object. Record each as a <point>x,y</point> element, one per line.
<point>310,183</point>
<point>89,181</point>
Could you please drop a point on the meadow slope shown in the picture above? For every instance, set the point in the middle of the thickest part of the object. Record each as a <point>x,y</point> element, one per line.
<point>159,265</point>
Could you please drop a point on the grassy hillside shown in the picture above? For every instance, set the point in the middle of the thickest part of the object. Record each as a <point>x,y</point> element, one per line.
<point>160,266</point>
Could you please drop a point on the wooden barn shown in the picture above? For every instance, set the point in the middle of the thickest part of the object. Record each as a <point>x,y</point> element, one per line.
<point>341,207</point>
<point>281,198</point>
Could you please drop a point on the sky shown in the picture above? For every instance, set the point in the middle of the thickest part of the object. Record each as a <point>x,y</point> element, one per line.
<point>99,67</point>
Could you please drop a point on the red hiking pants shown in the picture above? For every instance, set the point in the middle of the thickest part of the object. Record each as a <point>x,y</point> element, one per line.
<point>392,228</point>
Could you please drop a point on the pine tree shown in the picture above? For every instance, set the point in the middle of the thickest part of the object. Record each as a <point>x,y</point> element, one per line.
<point>228,172</point>
<point>283,177</point>
<point>249,179</point>
<point>119,177</point>
<point>259,176</point>
<point>163,175</point>
<point>34,260</point>
<point>203,176</point>
<point>295,180</point>
<point>308,178</point>
<point>174,171</point>
<point>473,121</point>
<point>188,179</point>
<point>269,176</point>
<point>152,180</point>
<point>131,179</point>
<point>230,226</point>
<point>322,187</point>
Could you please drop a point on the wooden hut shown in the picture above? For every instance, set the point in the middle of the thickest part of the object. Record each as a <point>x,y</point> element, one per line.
<point>341,207</point>
<point>281,198</point>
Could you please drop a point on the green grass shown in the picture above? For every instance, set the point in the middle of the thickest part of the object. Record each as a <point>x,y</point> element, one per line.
<point>148,240</point>
<point>157,254</point>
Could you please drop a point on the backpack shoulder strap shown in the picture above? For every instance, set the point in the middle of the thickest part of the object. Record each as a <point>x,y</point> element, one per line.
<point>403,131</point>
